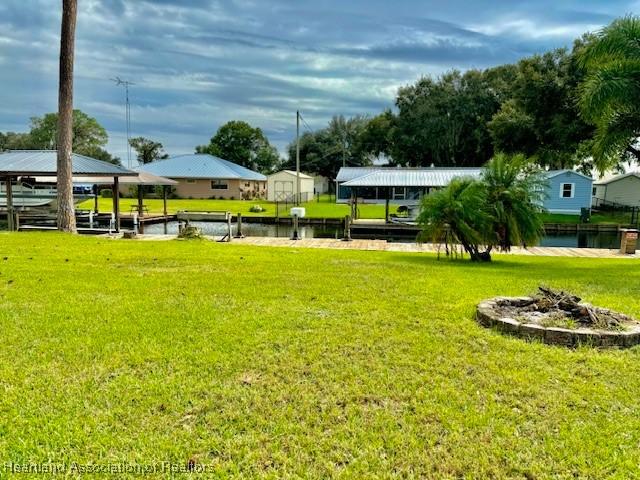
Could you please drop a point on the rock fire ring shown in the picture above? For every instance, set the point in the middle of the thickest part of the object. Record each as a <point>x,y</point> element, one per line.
<point>490,314</point>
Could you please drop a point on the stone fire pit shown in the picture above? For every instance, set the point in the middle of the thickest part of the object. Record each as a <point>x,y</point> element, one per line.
<point>556,317</point>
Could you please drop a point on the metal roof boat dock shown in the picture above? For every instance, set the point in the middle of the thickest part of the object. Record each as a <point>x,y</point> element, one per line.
<point>44,163</point>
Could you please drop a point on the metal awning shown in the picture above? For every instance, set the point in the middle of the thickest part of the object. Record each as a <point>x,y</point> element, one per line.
<point>44,163</point>
<point>141,178</point>
<point>428,177</point>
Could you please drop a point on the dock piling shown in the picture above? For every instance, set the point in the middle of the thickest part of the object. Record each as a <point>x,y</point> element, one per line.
<point>347,229</point>
<point>295,235</point>
<point>239,227</point>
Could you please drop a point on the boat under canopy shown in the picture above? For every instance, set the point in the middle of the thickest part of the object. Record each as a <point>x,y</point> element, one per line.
<point>16,165</point>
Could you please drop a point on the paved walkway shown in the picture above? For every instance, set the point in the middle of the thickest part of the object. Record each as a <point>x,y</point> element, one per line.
<point>382,245</point>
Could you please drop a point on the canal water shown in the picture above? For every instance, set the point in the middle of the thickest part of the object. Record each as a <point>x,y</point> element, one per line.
<point>580,240</point>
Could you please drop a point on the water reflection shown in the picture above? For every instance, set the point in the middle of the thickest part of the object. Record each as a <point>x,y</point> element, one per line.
<point>580,240</point>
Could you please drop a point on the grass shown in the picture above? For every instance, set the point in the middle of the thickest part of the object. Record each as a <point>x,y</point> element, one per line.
<point>294,363</point>
<point>325,208</point>
<point>602,218</point>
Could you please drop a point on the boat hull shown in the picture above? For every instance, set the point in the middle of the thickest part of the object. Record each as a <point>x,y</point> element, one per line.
<point>29,201</point>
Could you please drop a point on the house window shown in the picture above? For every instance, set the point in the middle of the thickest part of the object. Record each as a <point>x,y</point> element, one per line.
<point>566,190</point>
<point>191,180</point>
<point>399,193</point>
<point>593,192</point>
<point>218,185</point>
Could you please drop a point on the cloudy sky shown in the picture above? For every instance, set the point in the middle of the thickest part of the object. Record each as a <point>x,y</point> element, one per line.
<point>200,63</point>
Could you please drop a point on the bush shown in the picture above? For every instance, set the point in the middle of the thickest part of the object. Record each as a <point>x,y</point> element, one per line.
<point>106,193</point>
<point>189,232</point>
<point>499,210</point>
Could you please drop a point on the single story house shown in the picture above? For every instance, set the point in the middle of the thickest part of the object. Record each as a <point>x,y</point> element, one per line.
<point>567,191</point>
<point>281,186</point>
<point>201,175</point>
<point>620,189</point>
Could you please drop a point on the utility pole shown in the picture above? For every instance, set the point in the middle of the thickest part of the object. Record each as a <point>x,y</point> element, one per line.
<point>297,157</point>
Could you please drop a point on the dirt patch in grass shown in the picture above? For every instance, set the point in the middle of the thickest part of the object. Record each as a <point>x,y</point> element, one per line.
<point>551,308</point>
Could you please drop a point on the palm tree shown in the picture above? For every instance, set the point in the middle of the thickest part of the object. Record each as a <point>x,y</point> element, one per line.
<point>456,215</point>
<point>610,94</point>
<point>500,210</point>
<point>514,194</point>
<point>66,211</point>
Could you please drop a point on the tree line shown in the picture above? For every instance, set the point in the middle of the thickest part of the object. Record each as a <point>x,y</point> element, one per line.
<point>235,141</point>
<point>567,108</point>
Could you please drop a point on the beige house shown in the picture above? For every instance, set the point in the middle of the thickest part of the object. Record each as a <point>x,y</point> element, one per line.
<point>281,186</point>
<point>205,176</point>
<point>621,189</point>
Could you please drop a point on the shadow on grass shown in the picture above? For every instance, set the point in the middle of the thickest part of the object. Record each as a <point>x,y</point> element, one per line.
<point>553,268</point>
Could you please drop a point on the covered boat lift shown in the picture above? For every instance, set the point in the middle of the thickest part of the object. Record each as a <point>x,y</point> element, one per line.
<point>44,163</point>
<point>421,180</point>
<point>141,179</point>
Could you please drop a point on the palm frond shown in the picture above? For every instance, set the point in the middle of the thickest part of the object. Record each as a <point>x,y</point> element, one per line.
<point>617,41</point>
<point>612,87</point>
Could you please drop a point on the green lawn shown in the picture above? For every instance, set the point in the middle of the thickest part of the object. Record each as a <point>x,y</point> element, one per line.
<point>325,208</point>
<point>605,217</point>
<point>294,363</point>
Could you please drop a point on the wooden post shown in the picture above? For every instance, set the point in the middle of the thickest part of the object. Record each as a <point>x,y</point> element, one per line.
<point>140,201</point>
<point>355,205</point>
<point>9,196</point>
<point>295,235</point>
<point>386,206</point>
<point>96,192</point>
<point>116,203</point>
<point>239,227</point>
<point>164,199</point>
<point>347,229</point>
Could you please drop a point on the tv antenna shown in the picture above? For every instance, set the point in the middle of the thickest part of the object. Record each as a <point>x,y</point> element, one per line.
<point>126,83</point>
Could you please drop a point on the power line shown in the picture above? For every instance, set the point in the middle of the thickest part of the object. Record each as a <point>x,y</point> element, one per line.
<point>306,125</point>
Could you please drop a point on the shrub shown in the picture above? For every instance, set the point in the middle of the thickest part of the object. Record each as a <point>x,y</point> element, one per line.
<point>515,193</point>
<point>106,193</point>
<point>189,232</point>
<point>456,215</point>
<point>500,210</point>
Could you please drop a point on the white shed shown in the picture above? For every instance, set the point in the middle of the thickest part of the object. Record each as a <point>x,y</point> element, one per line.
<point>621,189</point>
<point>281,186</point>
